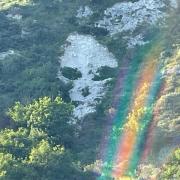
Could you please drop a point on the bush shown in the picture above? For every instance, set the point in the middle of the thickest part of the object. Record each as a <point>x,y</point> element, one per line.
<point>71,73</point>
<point>105,72</point>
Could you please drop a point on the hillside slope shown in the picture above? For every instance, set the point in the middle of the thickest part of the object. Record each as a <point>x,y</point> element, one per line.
<point>89,89</point>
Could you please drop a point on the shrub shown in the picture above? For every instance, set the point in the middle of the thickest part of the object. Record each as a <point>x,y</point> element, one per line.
<point>71,73</point>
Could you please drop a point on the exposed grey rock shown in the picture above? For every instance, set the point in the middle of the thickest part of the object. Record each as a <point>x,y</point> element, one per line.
<point>84,12</point>
<point>87,55</point>
<point>129,16</point>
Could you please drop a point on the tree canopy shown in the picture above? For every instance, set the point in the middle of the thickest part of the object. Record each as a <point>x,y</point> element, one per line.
<point>35,147</point>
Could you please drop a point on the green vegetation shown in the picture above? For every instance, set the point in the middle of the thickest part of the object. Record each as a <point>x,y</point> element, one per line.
<point>38,146</point>
<point>105,72</point>
<point>38,139</point>
<point>171,170</point>
<point>29,72</point>
<point>50,116</point>
<point>5,4</point>
<point>71,73</point>
<point>168,105</point>
<point>85,91</point>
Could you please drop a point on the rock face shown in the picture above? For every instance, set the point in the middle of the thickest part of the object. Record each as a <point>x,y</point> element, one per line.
<point>174,3</point>
<point>5,54</point>
<point>84,12</point>
<point>129,16</point>
<point>137,40</point>
<point>86,55</point>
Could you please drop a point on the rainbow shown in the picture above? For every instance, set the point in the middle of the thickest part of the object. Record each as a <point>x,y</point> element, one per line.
<point>150,131</point>
<point>139,88</point>
<point>129,137</point>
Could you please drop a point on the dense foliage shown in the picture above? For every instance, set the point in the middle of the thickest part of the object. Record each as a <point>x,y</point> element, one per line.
<point>38,146</point>
<point>8,3</point>
<point>171,170</point>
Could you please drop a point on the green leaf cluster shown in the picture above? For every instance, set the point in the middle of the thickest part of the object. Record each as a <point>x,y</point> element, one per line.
<point>38,145</point>
<point>171,170</point>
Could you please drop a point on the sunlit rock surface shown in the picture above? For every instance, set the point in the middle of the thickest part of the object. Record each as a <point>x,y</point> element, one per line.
<point>15,17</point>
<point>87,55</point>
<point>129,16</point>
<point>174,3</point>
<point>84,12</point>
<point>7,53</point>
<point>137,40</point>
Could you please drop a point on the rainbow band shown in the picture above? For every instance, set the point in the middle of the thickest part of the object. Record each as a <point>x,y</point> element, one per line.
<point>124,147</point>
<point>131,128</point>
<point>150,131</point>
<point>145,121</point>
